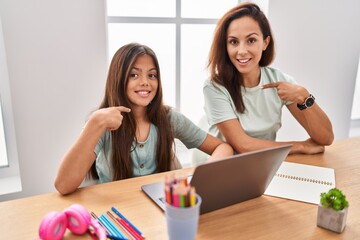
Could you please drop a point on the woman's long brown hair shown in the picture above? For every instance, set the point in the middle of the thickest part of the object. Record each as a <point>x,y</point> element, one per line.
<point>222,71</point>
<point>157,113</point>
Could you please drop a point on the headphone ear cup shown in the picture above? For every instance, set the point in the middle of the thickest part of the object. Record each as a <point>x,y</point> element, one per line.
<point>99,230</point>
<point>78,219</point>
<point>53,226</point>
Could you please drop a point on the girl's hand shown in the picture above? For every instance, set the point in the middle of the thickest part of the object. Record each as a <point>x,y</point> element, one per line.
<point>111,117</point>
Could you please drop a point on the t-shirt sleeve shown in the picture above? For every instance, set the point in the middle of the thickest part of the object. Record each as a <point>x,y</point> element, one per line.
<point>218,106</point>
<point>186,131</point>
<point>100,144</point>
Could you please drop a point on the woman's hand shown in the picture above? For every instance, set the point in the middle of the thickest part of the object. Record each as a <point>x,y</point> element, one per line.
<point>289,91</point>
<point>307,147</point>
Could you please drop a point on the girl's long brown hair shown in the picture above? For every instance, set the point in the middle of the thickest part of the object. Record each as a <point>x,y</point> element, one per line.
<point>157,113</point>
<point>222,71</point>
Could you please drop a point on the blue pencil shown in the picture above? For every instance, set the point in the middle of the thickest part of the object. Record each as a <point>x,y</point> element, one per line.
<point>115,237</point>
<point>109,230</point>
<point>115,231</point>
<point>122,216</point>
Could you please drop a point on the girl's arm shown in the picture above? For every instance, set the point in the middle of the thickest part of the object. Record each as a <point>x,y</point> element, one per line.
<point>81,156</point>
<point>216,148</point>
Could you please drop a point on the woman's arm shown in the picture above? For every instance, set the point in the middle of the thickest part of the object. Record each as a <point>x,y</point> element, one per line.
<point>81,156</point>
<point>315,122</point>
<point>216,148</point>
<point>241,142</point>
<point>313,119</point>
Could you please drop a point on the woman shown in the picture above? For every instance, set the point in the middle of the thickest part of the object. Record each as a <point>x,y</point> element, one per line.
<point>244,97</point>
<point>132,133</point>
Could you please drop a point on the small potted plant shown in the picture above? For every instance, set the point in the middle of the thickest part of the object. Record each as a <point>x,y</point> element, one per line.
<point>332,211</point>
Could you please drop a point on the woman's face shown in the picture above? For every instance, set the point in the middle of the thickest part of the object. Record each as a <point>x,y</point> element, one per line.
<point>143,82</point>
<point>245,44</point>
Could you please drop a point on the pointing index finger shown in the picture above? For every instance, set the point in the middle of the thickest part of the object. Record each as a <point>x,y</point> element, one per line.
<point>123,109</point>
<point>270,85</point>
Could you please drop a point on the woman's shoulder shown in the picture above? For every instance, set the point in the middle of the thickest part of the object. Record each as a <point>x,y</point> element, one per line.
<point>271,74</point>
<point>211,87</point>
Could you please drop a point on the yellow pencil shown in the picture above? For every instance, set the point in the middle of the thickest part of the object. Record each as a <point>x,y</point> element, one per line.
<point>192,197</point>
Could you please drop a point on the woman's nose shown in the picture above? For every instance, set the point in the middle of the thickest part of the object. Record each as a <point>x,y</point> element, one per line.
<point>241,49</point>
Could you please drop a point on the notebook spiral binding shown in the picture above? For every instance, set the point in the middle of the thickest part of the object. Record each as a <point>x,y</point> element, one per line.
<point>304,179</point>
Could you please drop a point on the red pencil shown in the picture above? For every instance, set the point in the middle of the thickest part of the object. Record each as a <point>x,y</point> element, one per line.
<point>129,229</point>
<point>126,227</point>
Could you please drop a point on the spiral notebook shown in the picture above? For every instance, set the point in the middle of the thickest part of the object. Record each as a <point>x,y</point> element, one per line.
<point>301,182</point>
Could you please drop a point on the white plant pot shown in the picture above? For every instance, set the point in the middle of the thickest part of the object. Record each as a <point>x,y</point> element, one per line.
<point>331,219</point>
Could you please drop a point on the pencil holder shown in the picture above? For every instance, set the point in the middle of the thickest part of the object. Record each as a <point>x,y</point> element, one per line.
<point>182,223</point>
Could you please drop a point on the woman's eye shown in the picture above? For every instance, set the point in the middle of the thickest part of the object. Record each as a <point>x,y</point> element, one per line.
<point>233,42</point>
<point>252,40</point>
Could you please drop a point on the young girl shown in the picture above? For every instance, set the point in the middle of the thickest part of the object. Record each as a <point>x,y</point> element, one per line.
<point>244,97</point>
<point>132,133</point>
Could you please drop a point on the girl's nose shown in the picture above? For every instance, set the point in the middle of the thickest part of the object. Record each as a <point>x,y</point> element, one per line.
<point>144,82</point>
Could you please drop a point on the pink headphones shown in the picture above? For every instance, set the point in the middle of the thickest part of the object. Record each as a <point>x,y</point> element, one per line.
<point>76,218</point>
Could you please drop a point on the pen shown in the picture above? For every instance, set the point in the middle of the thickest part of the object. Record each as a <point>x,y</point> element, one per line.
<point>122,216</point>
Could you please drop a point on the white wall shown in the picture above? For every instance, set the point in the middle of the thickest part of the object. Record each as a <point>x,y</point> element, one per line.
<point>57,64</point>
<point>318,42</point>
<point>56,56</point>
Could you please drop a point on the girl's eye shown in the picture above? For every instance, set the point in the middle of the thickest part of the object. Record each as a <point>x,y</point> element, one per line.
<point>152,75</point>
<point>133,75</point>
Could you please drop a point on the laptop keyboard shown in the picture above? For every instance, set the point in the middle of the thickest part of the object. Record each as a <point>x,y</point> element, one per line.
<point>162,199</point>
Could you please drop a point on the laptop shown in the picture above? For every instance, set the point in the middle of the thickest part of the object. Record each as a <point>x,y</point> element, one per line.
<point>230,180</point>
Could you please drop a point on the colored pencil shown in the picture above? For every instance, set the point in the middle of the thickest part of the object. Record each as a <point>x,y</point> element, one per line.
<point>115,231</point>
<point>123,217</point>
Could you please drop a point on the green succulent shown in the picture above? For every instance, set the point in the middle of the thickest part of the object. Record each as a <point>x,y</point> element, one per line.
<point>334,199</point>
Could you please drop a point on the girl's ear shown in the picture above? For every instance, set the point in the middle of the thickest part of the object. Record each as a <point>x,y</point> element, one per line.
<point>266,42</point>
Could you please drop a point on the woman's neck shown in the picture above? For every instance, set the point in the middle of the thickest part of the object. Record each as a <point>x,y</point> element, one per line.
<point>252,79</point>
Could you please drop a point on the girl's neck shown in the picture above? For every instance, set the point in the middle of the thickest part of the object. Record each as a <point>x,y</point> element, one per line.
<point>252,79</point>
<point>142,124</point>
<point>139,114</point>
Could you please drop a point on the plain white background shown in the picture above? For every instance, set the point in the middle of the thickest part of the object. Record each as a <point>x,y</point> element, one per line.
<point>57,64</point>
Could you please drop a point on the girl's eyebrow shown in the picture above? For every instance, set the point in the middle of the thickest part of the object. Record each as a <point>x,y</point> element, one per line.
<point>139,69</point>
<point>136,68</point>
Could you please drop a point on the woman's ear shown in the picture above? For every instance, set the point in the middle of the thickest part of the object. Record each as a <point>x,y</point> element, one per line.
<point>266,42</point>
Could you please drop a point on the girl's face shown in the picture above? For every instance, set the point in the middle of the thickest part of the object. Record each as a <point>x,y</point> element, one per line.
<point>143,82</point>
<point>245,44</point>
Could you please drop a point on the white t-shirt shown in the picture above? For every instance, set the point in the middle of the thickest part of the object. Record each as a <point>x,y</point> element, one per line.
<point>262,116</point>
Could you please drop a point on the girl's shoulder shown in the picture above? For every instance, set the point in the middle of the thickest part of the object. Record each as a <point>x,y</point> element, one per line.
<point>176,117</point>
